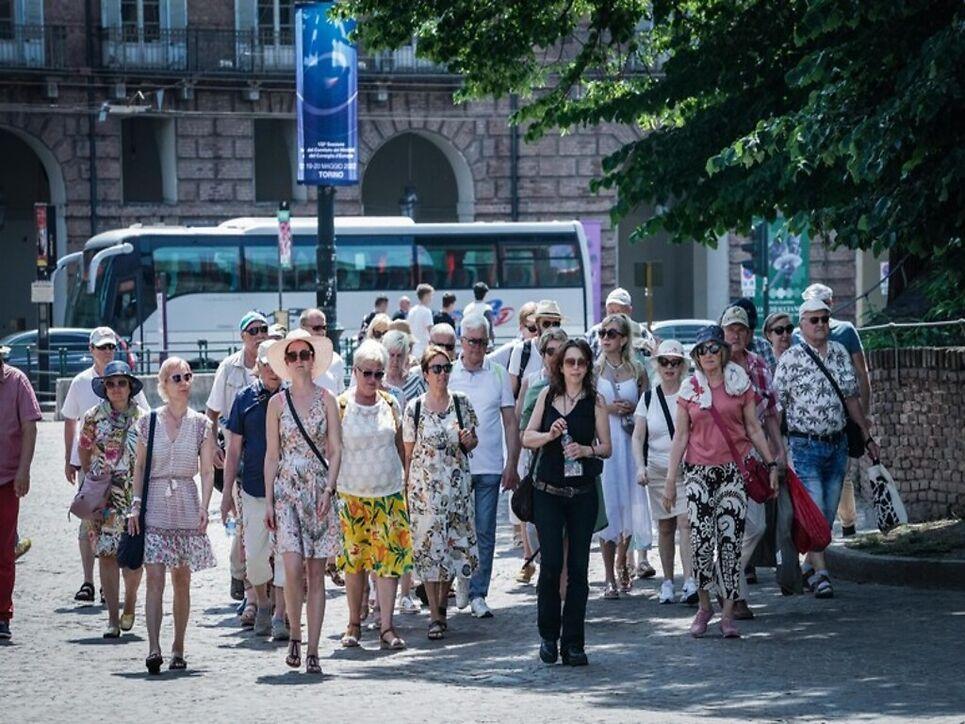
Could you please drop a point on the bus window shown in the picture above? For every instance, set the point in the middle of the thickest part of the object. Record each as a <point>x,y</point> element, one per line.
<point>457,264</point>
<point>199,269</point>
<point>542,262</point>
<point>368,266</point>
<point>261,269</point>
<point>124,318</point>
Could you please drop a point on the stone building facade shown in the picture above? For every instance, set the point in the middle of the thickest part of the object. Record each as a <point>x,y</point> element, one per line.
<point>182,112</point>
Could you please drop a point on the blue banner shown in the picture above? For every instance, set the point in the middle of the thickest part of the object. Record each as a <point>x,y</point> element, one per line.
<point>326,80</point>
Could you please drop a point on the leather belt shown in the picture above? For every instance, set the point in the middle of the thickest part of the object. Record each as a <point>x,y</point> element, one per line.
<point>831,439</point>
<point>562,491</point>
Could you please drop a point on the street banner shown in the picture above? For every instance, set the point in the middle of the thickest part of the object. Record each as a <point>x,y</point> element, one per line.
<point>789,270</point>
<point>284,239</point>
<point>592,228</point>
<point>46,251</point>
<point>326,84</point>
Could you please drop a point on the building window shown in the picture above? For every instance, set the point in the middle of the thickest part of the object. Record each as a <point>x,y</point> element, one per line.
<point>148,160</point>
<point>275,160</point>
<point>276,19</point>
<point>141,20</point>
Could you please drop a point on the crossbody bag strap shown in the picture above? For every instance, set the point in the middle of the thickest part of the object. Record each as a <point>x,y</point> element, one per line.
<point>827,373</point>
<point>152,426</point>
<point>730,443</point>
<point>455,403</point>
<point>647,396</point>
<point>301,429</point>
<point>666,410</point>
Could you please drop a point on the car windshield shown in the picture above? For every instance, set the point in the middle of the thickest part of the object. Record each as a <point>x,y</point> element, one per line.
<point>683,333</point>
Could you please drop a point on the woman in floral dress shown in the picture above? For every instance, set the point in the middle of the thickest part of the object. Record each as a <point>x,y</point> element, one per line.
<point>303,468</point>
<point>438,483</point>
<point>108,442</point>
<point>176,515</point>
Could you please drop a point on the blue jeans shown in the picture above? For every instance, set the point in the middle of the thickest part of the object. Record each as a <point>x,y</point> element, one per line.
<point>486,491</point>
<point>821,467</point>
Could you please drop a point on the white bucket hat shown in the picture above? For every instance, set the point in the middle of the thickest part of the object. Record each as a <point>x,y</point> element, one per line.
<point>321,345</point>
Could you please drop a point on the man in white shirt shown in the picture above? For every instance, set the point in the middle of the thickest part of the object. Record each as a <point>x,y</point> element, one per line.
<point>486,384</point>
<point>420,319</point>
<point>522,361</point>
<point>80,398</point>
<point>333,379</point>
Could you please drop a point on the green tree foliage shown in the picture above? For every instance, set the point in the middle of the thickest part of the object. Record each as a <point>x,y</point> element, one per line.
<point>838,114</point>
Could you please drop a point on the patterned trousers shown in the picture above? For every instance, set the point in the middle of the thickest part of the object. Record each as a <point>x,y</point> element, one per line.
<point>716,508</point>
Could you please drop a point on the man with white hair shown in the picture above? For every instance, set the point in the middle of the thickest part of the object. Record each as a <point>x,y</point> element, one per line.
<point>313,321</point>
<point>845,333</point>
<point>816,419</point>
<point>486,384</point>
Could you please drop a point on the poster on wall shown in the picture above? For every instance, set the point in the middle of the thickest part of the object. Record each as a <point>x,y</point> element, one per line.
<point>326,88</point>
<point>789,270</point>
<point>592,228</point>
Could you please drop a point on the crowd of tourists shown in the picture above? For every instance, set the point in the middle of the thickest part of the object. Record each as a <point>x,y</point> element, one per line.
<point>391,487</point>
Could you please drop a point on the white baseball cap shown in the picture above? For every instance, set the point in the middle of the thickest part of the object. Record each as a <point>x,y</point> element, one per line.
<point>101,336</point>
<point>619,296</point>
<point>670,348</point>
<point>813,305</point>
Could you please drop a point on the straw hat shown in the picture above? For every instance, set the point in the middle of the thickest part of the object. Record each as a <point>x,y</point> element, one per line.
<point>548,308</point>
<point>321,345</point>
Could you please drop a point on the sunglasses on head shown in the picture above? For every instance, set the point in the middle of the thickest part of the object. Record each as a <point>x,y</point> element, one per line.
<point>303,354</point>
<point>109,346</point>
<point>368,374</point>
<point>475,341</point>
<point>609,334</point>
<point>669,361</point>
<point>547,323</point>
<point>179,377</point>
<point>439,369</point>
<point>823,319</point>
<point>579,362</point>
<point>709,348</point>
<point>255,331</point>
<point>122,382</point>
<point>318,328</point>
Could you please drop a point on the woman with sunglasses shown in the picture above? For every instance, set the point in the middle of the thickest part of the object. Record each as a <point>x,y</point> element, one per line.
<point>176,515</point>
<point>777,331</point>
<point>302,463</point>
<point>653,436</point>
<point>621,380</point>
<point>438,485</point>
<point>569,411</point>
<point>378,327</point>
<point>716,495</point>
<point>107,447</point>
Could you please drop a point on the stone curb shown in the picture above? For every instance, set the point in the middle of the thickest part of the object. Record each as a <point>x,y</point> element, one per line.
<point>859,567</point>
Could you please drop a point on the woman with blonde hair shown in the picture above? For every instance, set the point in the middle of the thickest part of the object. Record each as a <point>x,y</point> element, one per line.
<point>378,326</point>
<point>176,515</point>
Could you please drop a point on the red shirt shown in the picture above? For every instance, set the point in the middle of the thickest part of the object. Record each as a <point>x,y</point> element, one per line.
<point>705,445</point>
<point>18,404</point>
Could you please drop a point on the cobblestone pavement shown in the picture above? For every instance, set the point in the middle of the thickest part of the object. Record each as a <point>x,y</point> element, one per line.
<point>873,652</point>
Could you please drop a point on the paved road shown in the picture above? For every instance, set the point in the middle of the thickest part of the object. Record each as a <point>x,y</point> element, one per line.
<point>874,652</point>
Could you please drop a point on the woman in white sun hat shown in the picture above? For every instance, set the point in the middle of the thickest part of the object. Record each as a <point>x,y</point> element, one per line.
<point>302,461</point>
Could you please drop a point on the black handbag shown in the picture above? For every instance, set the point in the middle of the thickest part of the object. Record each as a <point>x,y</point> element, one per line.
<point>522,500</point>
<point>852,430</point>
<point>130,549</point>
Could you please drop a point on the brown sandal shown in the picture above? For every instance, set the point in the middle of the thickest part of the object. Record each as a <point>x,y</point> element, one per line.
<point>294,658</point>
<point>311,664</point>
<point>437,630</point>
<point>352,636</point>
<point>394,643</point>
<point>335,575</point>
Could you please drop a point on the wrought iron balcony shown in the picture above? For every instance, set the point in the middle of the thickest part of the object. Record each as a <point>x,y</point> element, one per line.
<point>40,47</point>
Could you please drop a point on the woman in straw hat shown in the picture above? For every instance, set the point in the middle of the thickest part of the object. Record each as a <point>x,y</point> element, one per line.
<point>303,457</point>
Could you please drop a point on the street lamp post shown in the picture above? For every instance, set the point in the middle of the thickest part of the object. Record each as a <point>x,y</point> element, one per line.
<point>326,292</point>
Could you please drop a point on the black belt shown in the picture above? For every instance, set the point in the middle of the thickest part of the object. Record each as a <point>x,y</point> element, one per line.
<point>831,439</point>
<point>562,490</point>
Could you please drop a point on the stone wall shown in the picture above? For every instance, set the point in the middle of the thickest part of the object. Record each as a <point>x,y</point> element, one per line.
<point>918,414</point>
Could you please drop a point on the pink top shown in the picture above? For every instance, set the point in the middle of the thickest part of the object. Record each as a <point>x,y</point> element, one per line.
<point>706,446</point>
<point>18,404</point>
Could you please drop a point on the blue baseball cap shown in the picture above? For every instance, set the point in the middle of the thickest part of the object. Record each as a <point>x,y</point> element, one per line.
<point>250,317</point>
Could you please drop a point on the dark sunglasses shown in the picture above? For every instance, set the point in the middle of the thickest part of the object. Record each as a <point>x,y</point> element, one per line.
<point>318,328</point>
<point>609,334</point>
<point>787,329</point>
<point>255,331</point>
<point>177,377</point>
<point>709,348</point>
<point>547,323</point>
<point>824,319</point>
<point>475,341</point>
<point>368,374</point>
<point>108,346</point>
<point>111,384</point>
<point>377,335</point>
<point>551,351</point>
<point>303,354</point>
<point>439,369</point>
<point>533,329</point>
<point>669,362</point>
<point>575,362</point>
<point>447,347</point>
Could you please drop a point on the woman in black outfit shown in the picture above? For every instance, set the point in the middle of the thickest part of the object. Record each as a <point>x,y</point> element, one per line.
<point>565,502</point>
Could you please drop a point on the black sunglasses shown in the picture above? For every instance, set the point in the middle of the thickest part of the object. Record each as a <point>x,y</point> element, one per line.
<point>532,328</point>
<point>669,362</point>
<point>475,341</point>
<point>439,369</point>
<point>255,331</point>
<point>609,334</point>
<point>447,347</point>
<point>318,328</point>
<point>178,376</point>
<point>787,329</point>
<point>303,354</point>
<point>709,348</point>
<point>823,319</point>
<point>110,347</point>
<point>111,384</point>
<point>547,323</point>
<point>367,374</point>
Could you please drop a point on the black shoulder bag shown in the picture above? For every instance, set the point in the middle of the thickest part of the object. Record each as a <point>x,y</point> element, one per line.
<point>852,430</point>
<point>522,500</point>
<point>301,429</point>
<point>130,549</point>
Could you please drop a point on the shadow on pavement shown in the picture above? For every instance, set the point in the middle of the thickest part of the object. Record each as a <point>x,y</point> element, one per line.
<point>293,678</point>
<point>101,641</point>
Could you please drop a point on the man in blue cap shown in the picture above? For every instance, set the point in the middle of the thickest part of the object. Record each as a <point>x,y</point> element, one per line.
<point>236,372</point>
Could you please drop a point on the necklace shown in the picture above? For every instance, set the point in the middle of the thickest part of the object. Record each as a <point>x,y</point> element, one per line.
<point>613,366</point>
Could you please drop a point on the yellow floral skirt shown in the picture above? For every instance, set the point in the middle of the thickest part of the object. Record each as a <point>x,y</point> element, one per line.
<point>375,535</point>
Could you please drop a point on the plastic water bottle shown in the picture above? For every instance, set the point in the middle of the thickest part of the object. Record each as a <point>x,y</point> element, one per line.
<point>572,468</point>
<point>230,527</point>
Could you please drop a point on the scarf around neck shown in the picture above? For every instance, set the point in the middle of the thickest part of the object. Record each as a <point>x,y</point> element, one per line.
<point>696,388</point>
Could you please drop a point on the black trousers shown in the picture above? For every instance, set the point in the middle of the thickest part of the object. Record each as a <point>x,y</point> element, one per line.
<point>574,518</point>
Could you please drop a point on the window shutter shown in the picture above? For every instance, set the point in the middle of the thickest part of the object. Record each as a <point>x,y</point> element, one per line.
<point>245,15</point>
<point>176,15</point>
<point>31,12</point>
<point>110,13</point>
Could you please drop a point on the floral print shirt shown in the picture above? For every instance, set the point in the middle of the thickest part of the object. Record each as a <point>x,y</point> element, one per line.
<point>805,393</point>
<point>111,437</point>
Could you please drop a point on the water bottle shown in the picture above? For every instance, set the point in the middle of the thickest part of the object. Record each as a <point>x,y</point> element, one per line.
<point>230,527</point>
<point>572,468</point>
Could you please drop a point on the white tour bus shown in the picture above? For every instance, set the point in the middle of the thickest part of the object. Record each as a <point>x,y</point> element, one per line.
<point>215,274</point>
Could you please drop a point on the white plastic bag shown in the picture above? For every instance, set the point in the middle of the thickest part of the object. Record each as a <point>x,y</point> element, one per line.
<point>889,510</point>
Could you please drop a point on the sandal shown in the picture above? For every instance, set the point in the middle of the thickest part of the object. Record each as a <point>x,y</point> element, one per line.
<point>85,593</point>
<point>153,663</point>
<point>626,583</point>
<point>394,643</point>
<point>437,630</point>
<point>112,632</point>
<point>178,663</point>
<point>248,615</point>
<point>645,570</point>
<point>350,640</point>
<point>610,593</point>
<point>335,575</point>
<point>311,664</point>
<point>294,658</point>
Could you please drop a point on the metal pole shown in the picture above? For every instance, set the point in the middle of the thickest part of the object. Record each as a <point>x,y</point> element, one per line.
<point>325,291</point>
<point>650,294</point>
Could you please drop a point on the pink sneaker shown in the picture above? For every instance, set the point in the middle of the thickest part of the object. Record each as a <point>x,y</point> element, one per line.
<point>729,629</point>
<point>699,627</point>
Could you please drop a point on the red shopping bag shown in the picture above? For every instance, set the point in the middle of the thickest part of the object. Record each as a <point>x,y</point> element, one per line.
<point>810,530</point>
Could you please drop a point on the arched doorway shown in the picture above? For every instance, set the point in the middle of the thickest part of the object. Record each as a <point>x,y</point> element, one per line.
<point>423,169</point>
<point>23,182</point>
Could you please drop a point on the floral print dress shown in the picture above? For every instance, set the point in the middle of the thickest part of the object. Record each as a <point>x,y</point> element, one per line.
<point>111,438</point>
<point>299,483</point>
<point>441,507</point>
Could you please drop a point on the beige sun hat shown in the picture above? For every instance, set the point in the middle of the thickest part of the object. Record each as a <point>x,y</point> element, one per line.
<point>548,308</point>
<point>321,345</point>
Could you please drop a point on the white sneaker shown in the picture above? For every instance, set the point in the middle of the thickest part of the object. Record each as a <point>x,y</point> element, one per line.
<point>689,593</point>
<point>462,592</point>
<point>666,591</point>
<point>407,604</point>
<point>479,608</point>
